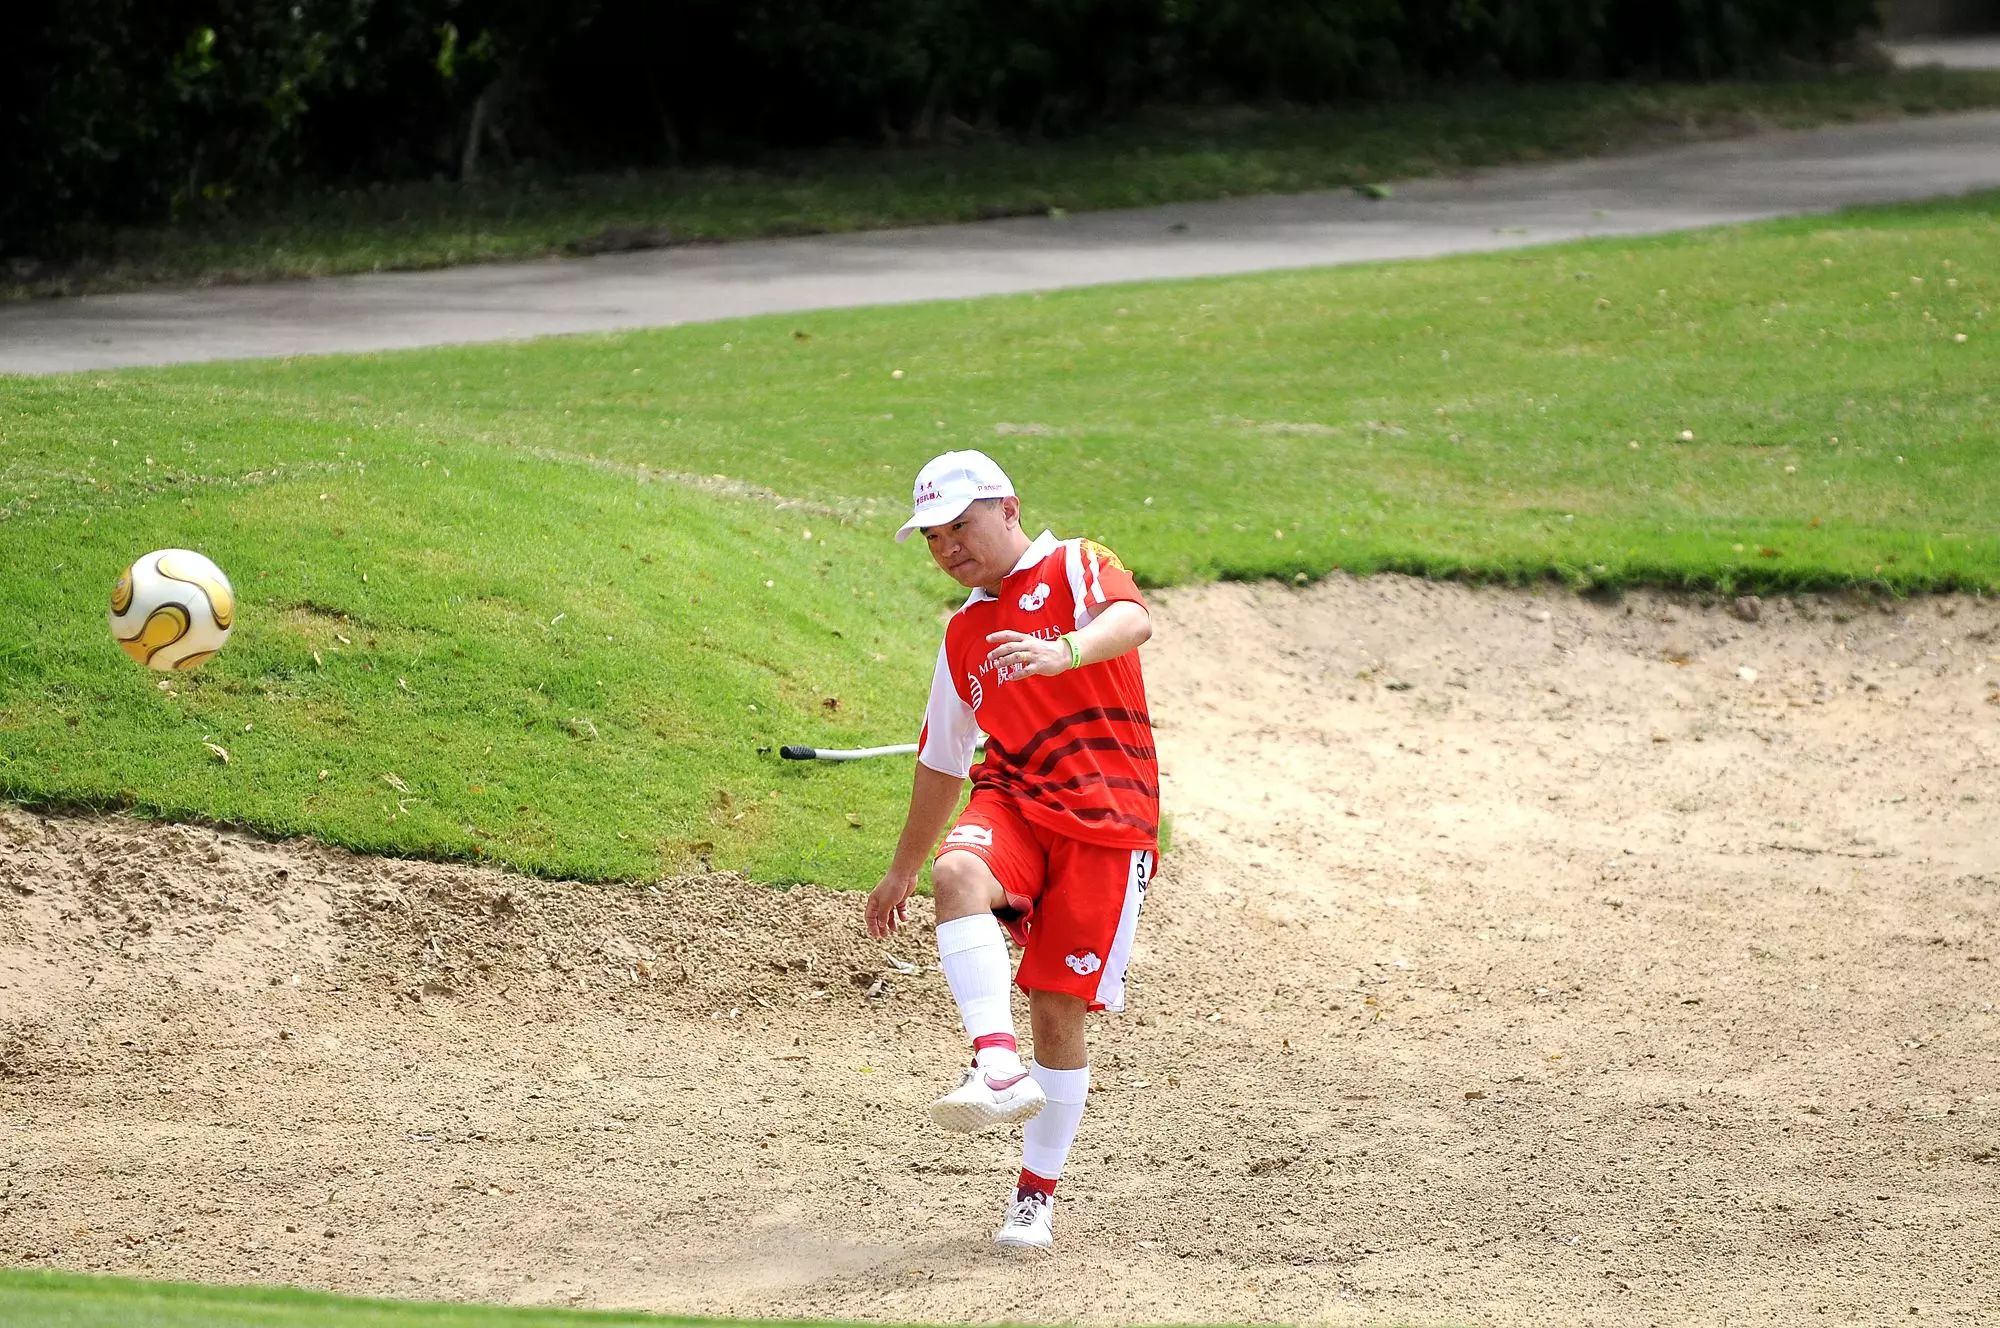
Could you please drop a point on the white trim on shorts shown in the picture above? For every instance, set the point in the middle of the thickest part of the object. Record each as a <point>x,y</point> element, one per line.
<point>1111,983</point>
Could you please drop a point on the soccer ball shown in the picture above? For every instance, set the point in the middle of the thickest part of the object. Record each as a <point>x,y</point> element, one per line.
<point>172,609</point>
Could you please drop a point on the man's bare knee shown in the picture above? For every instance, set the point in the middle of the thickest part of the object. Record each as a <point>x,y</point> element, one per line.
<point>964,886</point>
<point>1058,1023</point>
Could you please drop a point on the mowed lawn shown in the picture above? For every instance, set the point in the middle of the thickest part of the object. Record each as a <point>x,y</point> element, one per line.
<point>554,604</point>
<point>71,1300</point>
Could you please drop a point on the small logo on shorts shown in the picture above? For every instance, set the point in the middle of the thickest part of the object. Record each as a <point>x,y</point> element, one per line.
<point>1083,962</point>
<point>971,834</point>
<point>1035,598</point>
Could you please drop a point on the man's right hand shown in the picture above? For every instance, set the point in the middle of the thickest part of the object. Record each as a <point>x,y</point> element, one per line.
<point>889,904</point>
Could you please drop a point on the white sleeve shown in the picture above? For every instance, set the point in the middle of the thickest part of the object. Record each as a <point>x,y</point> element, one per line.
<point>951,729</point>
<point>1079,592</point>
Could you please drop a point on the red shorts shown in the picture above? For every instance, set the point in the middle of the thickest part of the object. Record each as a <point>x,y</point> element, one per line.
<point>1072,907</point>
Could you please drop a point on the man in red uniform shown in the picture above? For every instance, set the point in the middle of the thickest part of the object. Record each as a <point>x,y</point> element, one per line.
<point>1059,839</point>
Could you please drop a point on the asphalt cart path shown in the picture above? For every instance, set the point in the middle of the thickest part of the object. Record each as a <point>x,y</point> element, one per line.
<point>1708,184</point>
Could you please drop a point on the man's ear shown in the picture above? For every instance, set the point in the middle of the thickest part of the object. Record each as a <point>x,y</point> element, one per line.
<point>1010,511</point>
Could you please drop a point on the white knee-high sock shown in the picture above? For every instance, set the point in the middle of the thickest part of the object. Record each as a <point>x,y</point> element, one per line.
<point>973,952</point>
<point>1046,1139</point>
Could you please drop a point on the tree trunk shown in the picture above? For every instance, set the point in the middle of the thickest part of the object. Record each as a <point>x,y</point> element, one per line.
<point>468,161</point>
<point>670,129</point>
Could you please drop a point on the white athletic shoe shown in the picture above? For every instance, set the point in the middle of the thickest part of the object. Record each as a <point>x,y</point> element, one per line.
<point>1030,1223</point>
<point>983,1099</point>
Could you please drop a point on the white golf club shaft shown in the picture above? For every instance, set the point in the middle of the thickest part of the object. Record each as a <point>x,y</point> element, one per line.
<point>802,753</point>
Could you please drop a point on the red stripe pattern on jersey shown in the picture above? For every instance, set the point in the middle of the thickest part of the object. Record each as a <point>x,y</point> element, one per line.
<point>1075,751</point>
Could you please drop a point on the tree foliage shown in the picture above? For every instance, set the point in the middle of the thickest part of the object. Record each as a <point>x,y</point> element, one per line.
<point>119,111</point>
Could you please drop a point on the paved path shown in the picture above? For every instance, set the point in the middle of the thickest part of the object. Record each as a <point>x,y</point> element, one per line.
<point>1702,185</point>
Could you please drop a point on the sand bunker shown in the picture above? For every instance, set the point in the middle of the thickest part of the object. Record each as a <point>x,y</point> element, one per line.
<point>1520,960</point>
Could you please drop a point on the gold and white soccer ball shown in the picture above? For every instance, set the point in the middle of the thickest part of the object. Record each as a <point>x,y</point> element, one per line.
<point>172,609</point>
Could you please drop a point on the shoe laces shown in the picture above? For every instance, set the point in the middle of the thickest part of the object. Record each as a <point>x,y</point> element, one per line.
<point>1027,1208</point>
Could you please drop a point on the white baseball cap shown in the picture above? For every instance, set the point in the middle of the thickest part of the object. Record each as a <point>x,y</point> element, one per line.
<point>949,484</point>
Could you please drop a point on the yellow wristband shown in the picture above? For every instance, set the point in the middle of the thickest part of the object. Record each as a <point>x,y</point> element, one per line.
<point>1075,655</point>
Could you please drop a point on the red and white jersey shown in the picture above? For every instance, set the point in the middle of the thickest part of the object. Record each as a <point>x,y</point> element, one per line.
<point>1074,751</point>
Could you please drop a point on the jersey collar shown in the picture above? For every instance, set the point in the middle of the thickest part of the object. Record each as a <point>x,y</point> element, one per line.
<point>1044,545</point>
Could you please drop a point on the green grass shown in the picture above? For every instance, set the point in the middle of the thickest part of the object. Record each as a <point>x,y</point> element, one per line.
<point>73,1300</point>
<point>1164,157</point>
<point>505,577</point>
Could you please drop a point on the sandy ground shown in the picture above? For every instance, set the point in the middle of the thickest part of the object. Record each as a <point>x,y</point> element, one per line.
<point>1520,960</point>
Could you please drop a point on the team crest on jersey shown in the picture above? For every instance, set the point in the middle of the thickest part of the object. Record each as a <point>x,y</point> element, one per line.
<point>1083,962</point>
<point>1034,599</point>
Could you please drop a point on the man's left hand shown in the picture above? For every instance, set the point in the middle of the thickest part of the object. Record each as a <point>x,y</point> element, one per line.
<point>1028,655</point>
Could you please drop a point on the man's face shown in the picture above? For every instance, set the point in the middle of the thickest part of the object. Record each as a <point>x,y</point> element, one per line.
<point>975,549</point>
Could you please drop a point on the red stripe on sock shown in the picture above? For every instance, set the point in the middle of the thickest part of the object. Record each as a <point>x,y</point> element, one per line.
<point>986,1040</point>
<point>1030,1182</point>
